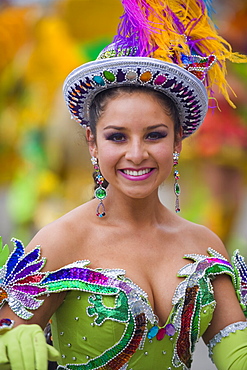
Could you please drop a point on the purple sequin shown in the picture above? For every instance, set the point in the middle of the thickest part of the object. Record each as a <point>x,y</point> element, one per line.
<point>26,299</point>
<point>29,258</point>
<point>29,289</point>
<point>28,270</point>
<point>15,256</point>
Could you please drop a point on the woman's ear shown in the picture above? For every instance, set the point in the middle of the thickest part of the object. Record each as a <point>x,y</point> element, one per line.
<point>178,141</point>
<point>91,142</point>
<point>178,146</point>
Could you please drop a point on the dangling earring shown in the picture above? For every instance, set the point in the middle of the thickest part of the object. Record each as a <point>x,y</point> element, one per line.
<point>100,192</point>
<point>176,178</point>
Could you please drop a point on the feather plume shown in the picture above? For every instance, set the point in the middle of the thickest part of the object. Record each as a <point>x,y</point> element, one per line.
<point>170,29</point>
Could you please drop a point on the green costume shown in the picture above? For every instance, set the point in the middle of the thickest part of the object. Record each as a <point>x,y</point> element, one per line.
<point>106,321</point>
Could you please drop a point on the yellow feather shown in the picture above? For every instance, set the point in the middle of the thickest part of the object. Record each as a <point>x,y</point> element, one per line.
<point>169,41</point>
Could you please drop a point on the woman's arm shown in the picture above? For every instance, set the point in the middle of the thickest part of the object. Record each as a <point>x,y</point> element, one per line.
<point>41,316</point>
<point>228,352</point>
<point>227,334</point>
<point>24,347</point>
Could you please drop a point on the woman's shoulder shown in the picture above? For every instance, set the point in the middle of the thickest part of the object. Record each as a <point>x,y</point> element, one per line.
<point>60,240</point>
<point>201,238</point>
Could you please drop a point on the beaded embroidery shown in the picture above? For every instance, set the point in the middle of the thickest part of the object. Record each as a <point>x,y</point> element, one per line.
<point>22,282</point>
<point>240,269</point>
<point>198,65</point>
<point>232,328</point>
<point>191,296</point>
<point>131,308</point>
<point>22,273</point>
<point>19,281</point>
<point>180,86</point>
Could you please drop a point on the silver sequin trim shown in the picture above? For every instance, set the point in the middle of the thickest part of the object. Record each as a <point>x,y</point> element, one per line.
<point>232,328</point>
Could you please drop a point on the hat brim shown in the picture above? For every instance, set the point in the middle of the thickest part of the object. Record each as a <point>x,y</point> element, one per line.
<point>186,90</point>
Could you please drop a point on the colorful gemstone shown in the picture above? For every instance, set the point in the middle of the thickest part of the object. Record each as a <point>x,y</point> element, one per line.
<point>185,59</point>
<point>100,193</point>
<point>120,76</point>
<point>177,189</point>
<point>131,76</point>
<point>161,333</point>
<point>153,332</point>
<point>5,322</point>
<point>100,178</point>
<point>100,211</point>
<point>99,80</point>
<point>160,80</point>
<point>170,330</point>
<point>146,76</point>
<point>170,83</point>
<point>5,325</point>
<point>109,76</point>
<point>176,175</point>
<point>3,295</point>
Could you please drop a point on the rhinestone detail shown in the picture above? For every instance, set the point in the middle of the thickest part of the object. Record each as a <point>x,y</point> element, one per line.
<point>232,328</point>
<point>197,275</point>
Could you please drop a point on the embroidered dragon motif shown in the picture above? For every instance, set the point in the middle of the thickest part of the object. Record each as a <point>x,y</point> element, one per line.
<point>192,295</point>
<point>21,282</point>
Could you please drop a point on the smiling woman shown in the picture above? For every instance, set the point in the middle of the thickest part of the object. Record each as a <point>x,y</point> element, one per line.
<point>116,284</point>
<point>155,132</point>
<point>134,140</point>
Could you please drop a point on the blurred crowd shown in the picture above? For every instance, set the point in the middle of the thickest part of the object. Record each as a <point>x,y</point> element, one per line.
<point>43,155</point>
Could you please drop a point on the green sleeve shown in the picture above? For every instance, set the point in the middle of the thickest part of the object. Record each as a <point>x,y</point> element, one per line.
<point>4,253</point>
<point>229,350</point>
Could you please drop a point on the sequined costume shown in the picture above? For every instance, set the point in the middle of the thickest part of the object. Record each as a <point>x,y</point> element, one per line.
<point>106,321</point>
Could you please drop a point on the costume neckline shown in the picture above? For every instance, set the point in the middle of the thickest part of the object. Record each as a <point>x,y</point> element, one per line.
<point>142,292</point>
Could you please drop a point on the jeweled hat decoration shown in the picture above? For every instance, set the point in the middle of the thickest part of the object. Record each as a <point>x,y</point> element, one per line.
<point>171,46</point>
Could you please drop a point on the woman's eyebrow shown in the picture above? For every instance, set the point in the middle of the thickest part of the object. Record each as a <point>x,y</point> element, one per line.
<point>114,127</point>
<point>123,128</point>
<point>157,126</point>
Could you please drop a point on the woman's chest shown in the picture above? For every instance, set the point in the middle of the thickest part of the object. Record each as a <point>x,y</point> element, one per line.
<point>151,268</point>
<point>110,321</point>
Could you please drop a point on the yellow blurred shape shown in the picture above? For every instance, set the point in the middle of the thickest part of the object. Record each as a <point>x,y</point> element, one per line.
<point>48,182</point>
<point>14,32</point>
<point>89,19</point>
<point>53,56</point>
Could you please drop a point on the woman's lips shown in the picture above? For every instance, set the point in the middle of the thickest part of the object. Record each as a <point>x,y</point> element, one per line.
<point>136,175</point>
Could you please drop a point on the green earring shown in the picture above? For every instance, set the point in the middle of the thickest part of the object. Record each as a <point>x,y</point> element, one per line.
<point>100,192</point>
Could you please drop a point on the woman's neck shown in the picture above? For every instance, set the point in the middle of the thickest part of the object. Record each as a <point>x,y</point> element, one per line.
<point>145,211</point>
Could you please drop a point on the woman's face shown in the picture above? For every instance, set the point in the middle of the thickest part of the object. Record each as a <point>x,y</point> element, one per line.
<point>135,144</point>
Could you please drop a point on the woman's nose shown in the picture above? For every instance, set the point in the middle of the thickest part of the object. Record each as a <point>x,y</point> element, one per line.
<point>136,152</point>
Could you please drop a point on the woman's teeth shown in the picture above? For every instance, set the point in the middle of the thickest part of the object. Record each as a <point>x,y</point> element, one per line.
<point>137,173</point>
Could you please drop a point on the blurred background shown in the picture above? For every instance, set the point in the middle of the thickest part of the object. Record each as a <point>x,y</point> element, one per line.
<point>45,169</point>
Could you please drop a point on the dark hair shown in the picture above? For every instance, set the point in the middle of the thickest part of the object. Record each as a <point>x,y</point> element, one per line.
<point>99,104</point>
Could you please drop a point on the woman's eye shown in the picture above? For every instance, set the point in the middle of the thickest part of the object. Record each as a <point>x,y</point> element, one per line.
<point>156,135</point>
<point>116,137</point>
